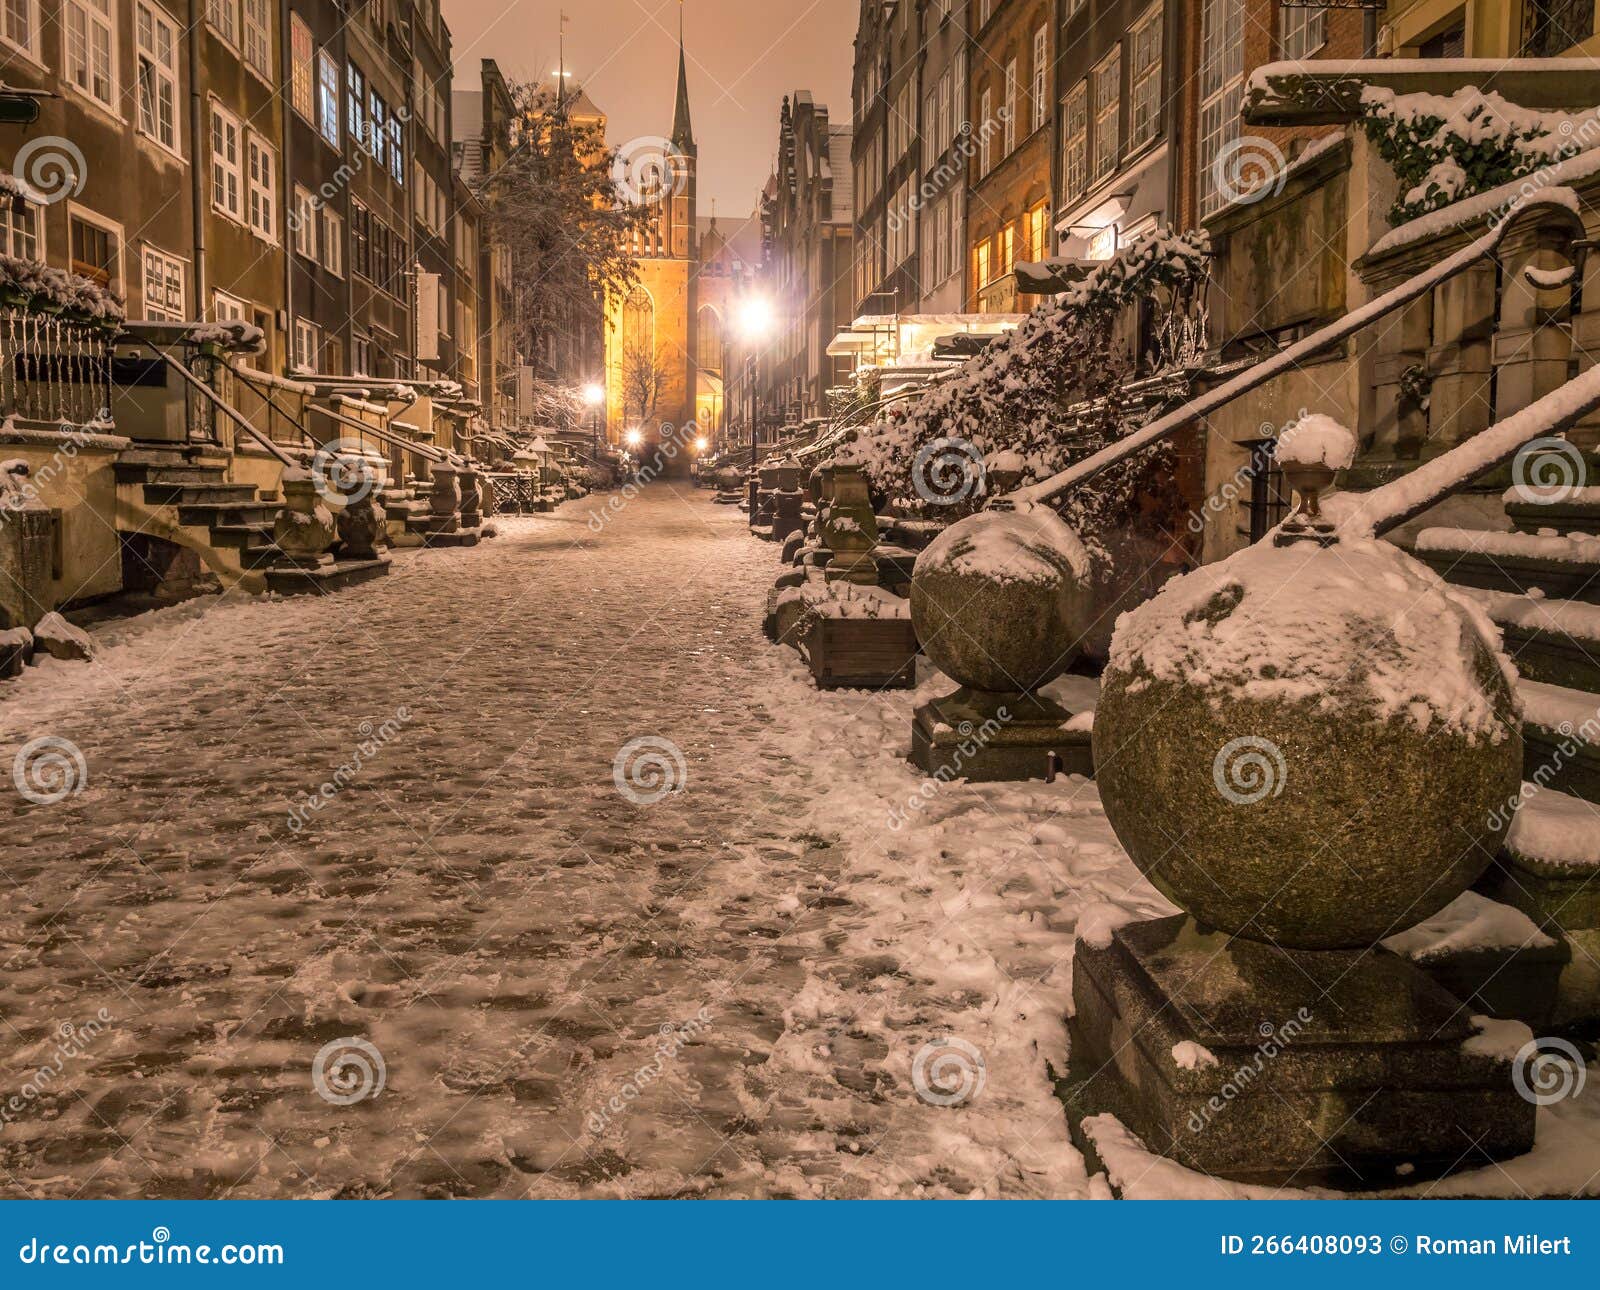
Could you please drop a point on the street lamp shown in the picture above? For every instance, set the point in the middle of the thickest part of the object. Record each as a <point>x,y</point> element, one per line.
<point>595,396</point>
<point>633,438</point>
<point>756,320</point>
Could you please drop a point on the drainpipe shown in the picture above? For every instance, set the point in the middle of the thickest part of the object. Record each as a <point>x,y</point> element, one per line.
<point>197,153</point>
<point>286,235</point>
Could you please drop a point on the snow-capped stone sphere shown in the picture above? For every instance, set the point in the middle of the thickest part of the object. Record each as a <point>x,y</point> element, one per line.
<point>1000,599</point>
<point>1314,747</point>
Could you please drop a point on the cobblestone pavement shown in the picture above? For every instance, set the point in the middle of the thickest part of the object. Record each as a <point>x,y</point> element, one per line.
<point>385,831</point>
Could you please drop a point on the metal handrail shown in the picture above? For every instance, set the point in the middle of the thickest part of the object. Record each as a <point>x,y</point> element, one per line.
<point>221,405</point>
<point>1268,369</point>
<point>432,453</point>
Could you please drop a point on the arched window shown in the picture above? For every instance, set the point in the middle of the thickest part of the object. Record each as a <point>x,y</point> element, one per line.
<point>639,322</point>
<point>708,340</point>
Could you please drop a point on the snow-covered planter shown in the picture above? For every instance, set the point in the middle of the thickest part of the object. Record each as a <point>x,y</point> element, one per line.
<point>1330,731</point>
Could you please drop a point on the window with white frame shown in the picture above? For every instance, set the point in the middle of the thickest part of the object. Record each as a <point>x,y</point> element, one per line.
<point>1107,81</point>
<point>19,230</point>
<point>307,345</point>
<point>258,36</point>
<point>1221,91</point>
<point>1302,30</point>
<point>156,55</point>
<point>163,277</point>
<point>94,248</point>
<point>302,69</point>
<point>223,15</point>
<point>1011,107</point>
<point>946,130</point>
<point>227,163</point>
<point>328,98</point>
<point>226,308</point>
<point>1144,108</point>
<point>19,25</point>
<point>941,242</point>
<point>91,43</point>
<point>263,189</point>
<point>1075,144</point>
<point>332,241</point>
<point>305,223</point>
<point>1041,76</point>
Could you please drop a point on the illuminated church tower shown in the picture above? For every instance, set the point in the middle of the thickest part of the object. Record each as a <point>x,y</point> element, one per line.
<point>650,334</point>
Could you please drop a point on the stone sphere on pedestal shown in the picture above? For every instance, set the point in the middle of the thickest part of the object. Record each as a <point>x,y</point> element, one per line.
<point>1000,600</point>
<point>1315,747</point>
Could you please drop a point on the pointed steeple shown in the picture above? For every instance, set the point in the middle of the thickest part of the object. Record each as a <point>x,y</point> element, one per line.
<point>682,129</point>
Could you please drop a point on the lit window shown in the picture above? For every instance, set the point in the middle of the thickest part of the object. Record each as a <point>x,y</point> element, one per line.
<point>302,93</point>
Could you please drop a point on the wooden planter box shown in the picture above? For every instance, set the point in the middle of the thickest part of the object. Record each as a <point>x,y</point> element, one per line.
<point>861,653</point>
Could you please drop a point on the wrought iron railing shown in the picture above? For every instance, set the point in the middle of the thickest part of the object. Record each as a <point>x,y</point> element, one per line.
<point>54,367</point>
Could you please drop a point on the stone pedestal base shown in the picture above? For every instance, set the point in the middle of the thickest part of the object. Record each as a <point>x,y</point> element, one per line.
<point>457,537</point>
<point>987,738</point>
<point>1285,1068</point>
<point>298,580</point>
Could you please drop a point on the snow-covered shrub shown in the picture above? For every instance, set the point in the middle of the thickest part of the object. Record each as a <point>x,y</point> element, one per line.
<point>1443,149</point>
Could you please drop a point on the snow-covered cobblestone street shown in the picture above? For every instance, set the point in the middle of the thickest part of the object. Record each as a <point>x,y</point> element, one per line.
<point>571,989</point>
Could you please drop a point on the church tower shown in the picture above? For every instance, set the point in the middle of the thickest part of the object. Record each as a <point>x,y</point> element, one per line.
<point>651,334</point>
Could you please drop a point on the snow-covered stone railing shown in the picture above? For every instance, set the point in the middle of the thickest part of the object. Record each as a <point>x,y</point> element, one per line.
<point>386,434</point>
<point>1269,369</point>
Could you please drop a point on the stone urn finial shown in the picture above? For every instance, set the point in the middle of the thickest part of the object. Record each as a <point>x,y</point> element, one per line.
<point>1311,453</point>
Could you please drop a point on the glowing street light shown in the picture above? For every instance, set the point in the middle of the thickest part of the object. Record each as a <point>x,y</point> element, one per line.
<point>701,444</point>
<point>633,438</point>
<point>594,395</point>
<point>756,318</point>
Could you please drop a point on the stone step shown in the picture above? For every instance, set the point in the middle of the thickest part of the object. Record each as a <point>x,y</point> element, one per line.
<point>1550,865</point>
<point>197,494</point>
<point>1561,568</point>
<point>1554,641</point>
<point>290,580</point>
<point>216,514</point>
<point>241,536</point>
<point>1576,514</point>
<point>1561,738</point>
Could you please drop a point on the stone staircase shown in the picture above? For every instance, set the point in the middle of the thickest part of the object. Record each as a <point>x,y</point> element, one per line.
<point>406,510</point>
<point>182,497</point>
<point>1540,583</point>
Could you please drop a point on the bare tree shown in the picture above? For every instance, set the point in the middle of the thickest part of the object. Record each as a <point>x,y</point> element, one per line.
<point>644,375</point>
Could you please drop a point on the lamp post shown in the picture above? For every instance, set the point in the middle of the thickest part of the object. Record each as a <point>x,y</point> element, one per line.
<point>756,321</point>
<point>595,396</point>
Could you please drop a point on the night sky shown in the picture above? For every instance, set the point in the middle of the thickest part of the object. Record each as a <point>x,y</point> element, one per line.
<point>744,56</point>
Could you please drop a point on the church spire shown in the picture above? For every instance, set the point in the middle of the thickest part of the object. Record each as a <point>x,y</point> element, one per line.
<point>682,130</point>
